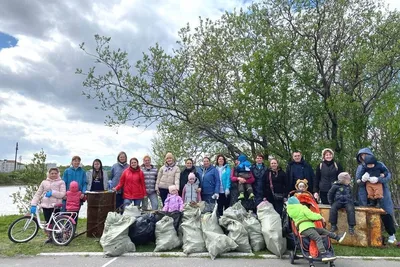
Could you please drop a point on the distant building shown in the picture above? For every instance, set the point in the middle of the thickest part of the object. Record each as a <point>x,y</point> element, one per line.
<point>8,165</point>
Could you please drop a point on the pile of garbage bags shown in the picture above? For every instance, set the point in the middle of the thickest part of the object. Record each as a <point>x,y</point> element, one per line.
<point>195,230</point>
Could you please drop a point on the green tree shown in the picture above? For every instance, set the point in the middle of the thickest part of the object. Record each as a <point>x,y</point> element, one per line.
<point>32,175</point>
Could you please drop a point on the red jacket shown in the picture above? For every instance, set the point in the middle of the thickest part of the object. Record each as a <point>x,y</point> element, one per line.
<point>73,197</point>
<point>132,181</point>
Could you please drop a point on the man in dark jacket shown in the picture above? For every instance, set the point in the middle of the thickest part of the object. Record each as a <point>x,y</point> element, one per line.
<point>260,172</point>
<point>298,168</point>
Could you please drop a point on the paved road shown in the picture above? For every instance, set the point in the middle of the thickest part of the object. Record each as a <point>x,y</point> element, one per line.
<point>98,261</point>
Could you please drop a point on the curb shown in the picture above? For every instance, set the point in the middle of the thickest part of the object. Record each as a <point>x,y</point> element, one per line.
<point>202,255</point>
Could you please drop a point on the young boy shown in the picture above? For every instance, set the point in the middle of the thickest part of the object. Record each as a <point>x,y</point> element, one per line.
<point>243,171</point>
<point>304,219</point>
<point>373,169</point>
<point>340,196</point>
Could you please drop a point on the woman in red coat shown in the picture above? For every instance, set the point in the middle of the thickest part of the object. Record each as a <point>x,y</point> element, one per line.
<point>132,181</point>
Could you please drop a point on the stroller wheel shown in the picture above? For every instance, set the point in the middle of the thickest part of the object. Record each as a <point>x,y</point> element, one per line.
<point>292,256</point>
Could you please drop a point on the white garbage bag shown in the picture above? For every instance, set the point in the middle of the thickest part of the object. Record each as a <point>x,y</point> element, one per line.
<point>166,236</point>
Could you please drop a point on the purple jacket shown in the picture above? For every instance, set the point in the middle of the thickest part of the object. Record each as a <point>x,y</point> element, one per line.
<point>173,203</point>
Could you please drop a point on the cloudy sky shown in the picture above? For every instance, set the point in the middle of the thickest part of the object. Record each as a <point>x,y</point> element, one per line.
<point>41,105</point>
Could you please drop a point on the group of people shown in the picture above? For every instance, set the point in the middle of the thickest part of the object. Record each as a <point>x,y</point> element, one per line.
<point>215,183</point>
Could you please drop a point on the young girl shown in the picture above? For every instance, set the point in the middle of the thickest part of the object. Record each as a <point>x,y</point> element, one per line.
<point>73,197</point>
<point>75,173</point>
<point>96,178</point>
<point>132,182</point>
<point>190,192</point>
<point>173,202</point>
<point>54,189</point>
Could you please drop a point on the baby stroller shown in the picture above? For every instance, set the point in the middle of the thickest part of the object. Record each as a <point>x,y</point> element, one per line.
<point>308,247</point>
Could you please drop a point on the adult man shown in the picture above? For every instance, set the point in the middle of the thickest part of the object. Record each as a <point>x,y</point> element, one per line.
<point>298,168</point>
<point>260,172</point>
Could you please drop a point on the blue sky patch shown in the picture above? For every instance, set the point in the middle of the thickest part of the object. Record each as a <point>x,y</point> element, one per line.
<point>7,41</point>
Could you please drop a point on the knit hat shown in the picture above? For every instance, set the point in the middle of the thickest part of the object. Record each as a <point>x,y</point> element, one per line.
<point>171,188</point>
<point>293,200</point>
<point>191,175</point>
<point>369,159</point>
<point>344,176</point>
<point>169,155</point>
<point>242,158</point>
<point>327,150</point>
<point>299,181</point>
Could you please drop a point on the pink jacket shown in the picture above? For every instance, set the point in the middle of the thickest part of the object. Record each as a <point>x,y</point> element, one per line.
<point>173,203</point>
<point>73,197</point>
<point>57,187</point>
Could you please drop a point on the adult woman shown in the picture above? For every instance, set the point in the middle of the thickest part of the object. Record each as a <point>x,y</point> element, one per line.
<point>116,171</point>
<point>224,172</point>
<point>326,174</point>
<point>183,179</point>
<point>386,203</point>
<point>132,181</point>
<point>276,187</point>
<point>75,173</point>
<point>167,175</point>
<point>210,182</point>
<point>150,178</point>
<point>96,178</point>
<point>259,171</point>
<point>236,180</point>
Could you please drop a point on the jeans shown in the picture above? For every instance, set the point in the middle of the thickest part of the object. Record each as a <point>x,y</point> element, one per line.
<point>315,234</point>
<point>324,198</point>
<point>223,203</point>
<point>351,213</point>
<point>136,202</point>
<point>163,194</point>
<point>153,201</point>
<point>388,222</point>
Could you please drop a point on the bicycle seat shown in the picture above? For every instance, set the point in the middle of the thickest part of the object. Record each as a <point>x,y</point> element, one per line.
<point>58,205</point>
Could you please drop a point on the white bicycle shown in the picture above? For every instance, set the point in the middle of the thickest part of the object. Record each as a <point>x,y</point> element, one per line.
<point>62,226</point>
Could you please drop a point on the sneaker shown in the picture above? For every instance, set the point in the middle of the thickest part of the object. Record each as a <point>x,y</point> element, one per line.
<point>327,257</point>
<point>341,237</point>
<point>241,196</point>
<point>392,239</point>
<point>333,228</point>
<point>351,230</point>
<point>251,196</point>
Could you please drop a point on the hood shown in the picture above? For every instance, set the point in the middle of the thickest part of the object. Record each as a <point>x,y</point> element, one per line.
<point>134,170</point>
<point>364,150</point>
<point>242,158</point>
<point>327,150</point>
<point>193,169</point>
<point>370,159</point>
<point>208,169</point>
<point>294,210</point>
<point>293,162</point>
<point>73,186</point>
<point>144,167</point>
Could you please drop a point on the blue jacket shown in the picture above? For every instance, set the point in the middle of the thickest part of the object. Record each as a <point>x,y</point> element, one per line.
<point>386,202</point>
<point>78,175</point>
<point>210,182</point>
<point>116,171</point>
<point>226,177</point>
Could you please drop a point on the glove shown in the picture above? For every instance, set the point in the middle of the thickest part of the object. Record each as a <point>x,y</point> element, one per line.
<point>33,209</point>
<point>215,196</point>
<point>365,177</point>
<point>316,195</point>
<point>49,193</point>
<point>373,180</point>
<point>227,192</point>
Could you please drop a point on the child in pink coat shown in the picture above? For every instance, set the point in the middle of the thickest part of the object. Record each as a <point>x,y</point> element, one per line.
<point>173,202</point>
<point>73,197</point>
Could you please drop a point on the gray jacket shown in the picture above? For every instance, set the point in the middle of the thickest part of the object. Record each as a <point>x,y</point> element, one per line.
<point>150,177</point>
<point>190,191</point>
<point>89,179</point>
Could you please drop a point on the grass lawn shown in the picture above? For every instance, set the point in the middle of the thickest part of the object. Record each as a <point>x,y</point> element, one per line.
<point>85,244</point>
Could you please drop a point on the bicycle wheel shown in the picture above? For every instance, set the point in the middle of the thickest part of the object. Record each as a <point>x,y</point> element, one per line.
<point>23,229</point>
<point>63,230</point>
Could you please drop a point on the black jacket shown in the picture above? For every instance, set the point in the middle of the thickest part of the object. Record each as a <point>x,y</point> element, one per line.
<point>279,182</point>
<point>260,177</point>
<point>341,193</point>
<point>301,170</point>
<point>326,174</point>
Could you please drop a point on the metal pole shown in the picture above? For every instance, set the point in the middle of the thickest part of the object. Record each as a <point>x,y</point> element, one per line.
<point>16,152</point>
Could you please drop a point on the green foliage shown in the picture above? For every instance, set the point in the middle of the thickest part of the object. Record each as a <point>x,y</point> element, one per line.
<point>31,176</point>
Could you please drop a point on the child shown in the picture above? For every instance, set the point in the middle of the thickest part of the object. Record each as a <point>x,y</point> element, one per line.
<point>73,197</point>
<point>190,191</point>
<point>340,196</point>
<point>373,169</point>
<point>304,219</point>
<point>301,185</point>
<point>173,202</point>
<point>243,171</point>
<point>54,189</point>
